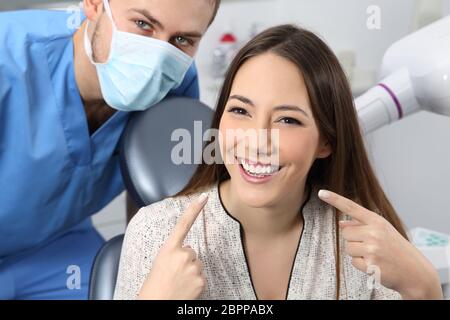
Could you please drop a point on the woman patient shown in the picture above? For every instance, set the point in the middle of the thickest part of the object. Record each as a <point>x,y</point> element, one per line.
<point>254,225</point>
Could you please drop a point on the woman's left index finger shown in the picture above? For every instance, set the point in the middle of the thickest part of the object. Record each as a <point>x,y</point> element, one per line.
<point>346,206</point>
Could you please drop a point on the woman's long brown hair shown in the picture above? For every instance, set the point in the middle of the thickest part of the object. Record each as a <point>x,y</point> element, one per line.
<point>347,171</point>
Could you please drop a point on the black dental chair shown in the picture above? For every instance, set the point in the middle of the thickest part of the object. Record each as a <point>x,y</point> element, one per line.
<point>148,171</point>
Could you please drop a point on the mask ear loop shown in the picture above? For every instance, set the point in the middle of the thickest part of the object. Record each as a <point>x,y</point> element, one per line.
<point>109,13</point>
<point>87,41</point>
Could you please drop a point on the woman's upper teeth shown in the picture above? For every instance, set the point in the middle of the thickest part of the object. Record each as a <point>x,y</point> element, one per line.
<point>258,169</point>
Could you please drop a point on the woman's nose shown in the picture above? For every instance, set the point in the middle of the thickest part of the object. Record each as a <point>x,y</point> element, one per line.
<point>263,139</point>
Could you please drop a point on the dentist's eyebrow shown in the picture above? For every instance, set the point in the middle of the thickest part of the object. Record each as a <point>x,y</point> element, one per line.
<point>278,108</point>
<point>147,14</point>
<point>192,34</point>
<point>154,21</point>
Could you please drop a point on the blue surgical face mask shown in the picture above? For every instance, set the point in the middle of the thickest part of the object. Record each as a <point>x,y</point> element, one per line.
<point>140,71</point>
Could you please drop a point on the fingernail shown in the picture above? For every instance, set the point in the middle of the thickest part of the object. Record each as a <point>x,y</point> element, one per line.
<point>202,198</point>
<point>323,194</point>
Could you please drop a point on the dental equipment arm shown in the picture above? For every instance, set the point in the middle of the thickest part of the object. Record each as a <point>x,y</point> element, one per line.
<point>415,76</point>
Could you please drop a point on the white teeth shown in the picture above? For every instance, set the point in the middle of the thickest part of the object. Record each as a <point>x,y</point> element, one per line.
<point>259,169</point>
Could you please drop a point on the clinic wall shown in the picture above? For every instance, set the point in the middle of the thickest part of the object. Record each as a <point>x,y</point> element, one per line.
<point>342,24</point>
<point>23,4</point>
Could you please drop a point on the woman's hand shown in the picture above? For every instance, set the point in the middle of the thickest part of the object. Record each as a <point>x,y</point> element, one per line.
<point>176,273</point>
<point>375,245</point>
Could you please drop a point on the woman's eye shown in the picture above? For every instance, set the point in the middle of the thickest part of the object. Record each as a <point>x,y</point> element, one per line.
<point>143,25</point>
<point>290,121</point>
<point>238,111</point>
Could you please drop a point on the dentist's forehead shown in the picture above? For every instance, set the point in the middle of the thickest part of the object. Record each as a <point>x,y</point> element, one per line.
<point>177,15</point>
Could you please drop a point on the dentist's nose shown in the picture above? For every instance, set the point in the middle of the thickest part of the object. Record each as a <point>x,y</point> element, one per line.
<point>162,37</point>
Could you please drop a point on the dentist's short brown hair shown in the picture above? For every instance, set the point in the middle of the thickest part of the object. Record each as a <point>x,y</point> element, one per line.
<point>216,9</point>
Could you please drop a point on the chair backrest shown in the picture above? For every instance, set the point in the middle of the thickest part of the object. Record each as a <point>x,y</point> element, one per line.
<point>149,169</point>
<point>149,161</point>
<point>105,269</point>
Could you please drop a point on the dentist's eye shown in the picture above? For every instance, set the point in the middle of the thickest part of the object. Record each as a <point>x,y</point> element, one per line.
<point>291,121</point>
<point>238,111</point>
<point>182,41</point>
<point>143,25</point>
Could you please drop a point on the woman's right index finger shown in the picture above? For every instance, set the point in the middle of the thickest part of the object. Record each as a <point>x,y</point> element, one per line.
<point>186,221</point>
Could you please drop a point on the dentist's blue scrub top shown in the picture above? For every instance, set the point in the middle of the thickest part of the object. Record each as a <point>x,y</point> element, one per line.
<point>53,174</point>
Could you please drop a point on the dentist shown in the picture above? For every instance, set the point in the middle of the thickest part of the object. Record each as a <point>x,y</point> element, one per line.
<point>65,98</point>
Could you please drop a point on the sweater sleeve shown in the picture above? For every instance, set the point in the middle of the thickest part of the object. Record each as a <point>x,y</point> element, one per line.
<point>383,293</point>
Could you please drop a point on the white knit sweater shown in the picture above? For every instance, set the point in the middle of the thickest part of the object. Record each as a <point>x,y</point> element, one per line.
<point>216,237</point>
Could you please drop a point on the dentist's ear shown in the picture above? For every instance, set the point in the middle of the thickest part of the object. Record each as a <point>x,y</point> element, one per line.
<point>324,150</point>
<point>93,9</point>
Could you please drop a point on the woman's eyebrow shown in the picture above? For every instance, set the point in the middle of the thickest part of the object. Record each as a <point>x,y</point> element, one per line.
<point>242,99</point>
<point>291,108</point>
<point>278,108</point>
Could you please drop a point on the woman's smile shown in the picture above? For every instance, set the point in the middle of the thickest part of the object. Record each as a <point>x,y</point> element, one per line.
<point>257,172</point>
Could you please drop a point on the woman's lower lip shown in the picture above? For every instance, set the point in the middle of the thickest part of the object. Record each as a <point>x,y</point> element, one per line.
<point>253,179</point>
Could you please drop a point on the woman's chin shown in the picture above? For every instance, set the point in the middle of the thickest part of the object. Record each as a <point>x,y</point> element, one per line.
<point>256,197</point>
